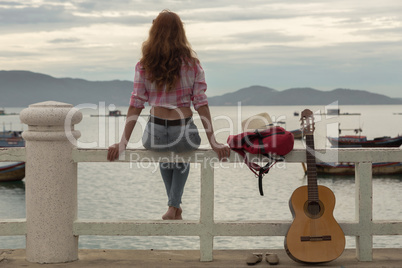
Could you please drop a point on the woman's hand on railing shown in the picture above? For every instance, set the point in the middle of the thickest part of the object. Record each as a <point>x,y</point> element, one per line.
<point>222,150</point>
<point>115,150</point>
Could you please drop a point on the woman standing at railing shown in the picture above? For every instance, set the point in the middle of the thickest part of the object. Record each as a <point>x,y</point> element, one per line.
<point>169,77</point>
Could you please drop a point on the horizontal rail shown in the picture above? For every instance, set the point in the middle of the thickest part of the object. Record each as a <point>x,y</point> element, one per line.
<point>11,227</point>
<point>16,227</point>
<point>329,155</point>
<point>297,155</point>
<point>221,228</point>
<point>182,228</point>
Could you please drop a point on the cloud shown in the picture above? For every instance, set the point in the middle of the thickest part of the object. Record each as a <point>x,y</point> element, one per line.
<point>33,15</point>
<point>386,32</point>
<point>266,37</point>
<point>70,14</point>
<point>5,4</point>
<point>311,41</point>
<point>9,55</point>
<point>65,40</point>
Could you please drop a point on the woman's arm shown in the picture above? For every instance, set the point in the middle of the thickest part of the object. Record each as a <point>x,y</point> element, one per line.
<point>221,150</point>
<point>116,149</point>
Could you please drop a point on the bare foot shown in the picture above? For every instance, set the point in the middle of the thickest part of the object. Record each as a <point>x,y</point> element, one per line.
<point>170,214</point>
<point>178,214</point>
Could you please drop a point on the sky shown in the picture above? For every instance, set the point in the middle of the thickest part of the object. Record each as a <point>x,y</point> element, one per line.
<point>281,44</point>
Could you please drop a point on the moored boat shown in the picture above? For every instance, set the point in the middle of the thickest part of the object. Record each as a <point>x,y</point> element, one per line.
<point>3,112</point>
<point>12,172</point>
<point>389,168</point>
<point>358,141</point>
<point>355,141</point>
<point>11,139</point>
<point>114,113</point>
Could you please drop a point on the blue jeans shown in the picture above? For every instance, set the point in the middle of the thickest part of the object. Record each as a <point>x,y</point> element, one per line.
<point>176,139</point>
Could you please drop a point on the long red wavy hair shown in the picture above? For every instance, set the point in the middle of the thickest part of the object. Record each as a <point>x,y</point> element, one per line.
<point>165,50</point>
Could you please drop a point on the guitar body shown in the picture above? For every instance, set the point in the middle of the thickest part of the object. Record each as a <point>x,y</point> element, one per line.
<point>314,235</point>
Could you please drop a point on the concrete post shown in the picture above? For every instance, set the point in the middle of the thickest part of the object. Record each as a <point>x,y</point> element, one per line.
<point>51,181</point>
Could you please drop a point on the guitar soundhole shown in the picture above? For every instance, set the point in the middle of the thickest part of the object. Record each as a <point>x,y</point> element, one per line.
<point>314,209</point>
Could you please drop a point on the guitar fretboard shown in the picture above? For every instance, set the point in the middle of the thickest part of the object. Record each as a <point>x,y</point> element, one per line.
<point>311,169</point>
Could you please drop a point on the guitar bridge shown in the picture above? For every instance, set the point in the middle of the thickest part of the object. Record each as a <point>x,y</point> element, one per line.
<point>316,238</point>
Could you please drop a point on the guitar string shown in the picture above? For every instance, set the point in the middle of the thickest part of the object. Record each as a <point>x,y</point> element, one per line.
<point>312,177</point>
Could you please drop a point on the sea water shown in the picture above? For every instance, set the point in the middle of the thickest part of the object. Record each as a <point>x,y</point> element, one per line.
<point>135,191</point>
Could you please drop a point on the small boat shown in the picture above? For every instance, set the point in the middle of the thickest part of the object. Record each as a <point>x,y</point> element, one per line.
<point>11,139</point>
<point>338,112</point>
<point>359,141</point>
<point>355,141</point>
<point>114,113</point>
<point>333,111</point>
<point>3,112</point>
<point>12,172</point>
<point>389,168</point>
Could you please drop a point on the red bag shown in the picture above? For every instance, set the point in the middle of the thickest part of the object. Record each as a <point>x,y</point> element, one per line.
<point>274,143</point>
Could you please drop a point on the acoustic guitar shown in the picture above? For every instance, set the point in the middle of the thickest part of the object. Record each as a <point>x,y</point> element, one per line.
<point>314,235</point>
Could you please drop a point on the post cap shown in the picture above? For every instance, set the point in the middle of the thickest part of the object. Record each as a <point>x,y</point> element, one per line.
<point>50,113</point>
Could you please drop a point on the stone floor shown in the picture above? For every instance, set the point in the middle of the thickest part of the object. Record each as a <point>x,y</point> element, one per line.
<point>190,258</point>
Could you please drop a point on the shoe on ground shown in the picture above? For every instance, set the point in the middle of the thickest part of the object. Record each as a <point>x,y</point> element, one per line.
<point>254,258</point>
<point>271,258</point>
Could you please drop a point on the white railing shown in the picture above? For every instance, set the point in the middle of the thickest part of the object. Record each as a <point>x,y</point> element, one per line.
<point>363,228</point>
<point>52,228</point>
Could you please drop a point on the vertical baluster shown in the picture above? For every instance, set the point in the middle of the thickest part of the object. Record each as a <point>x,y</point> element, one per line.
<point>364,210</point>
<point>207,210</point>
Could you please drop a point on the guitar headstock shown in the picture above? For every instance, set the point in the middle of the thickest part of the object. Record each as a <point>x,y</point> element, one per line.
<point>307,122</point>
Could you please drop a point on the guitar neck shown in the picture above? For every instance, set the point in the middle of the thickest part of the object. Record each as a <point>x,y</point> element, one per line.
<point>311,169</point>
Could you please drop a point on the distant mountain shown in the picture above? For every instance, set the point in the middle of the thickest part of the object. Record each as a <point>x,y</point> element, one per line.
<point>257,95</point>
<point>21,88</point>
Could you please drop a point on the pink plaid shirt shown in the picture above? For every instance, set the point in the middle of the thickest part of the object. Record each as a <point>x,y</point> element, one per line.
<point>191,88</point>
